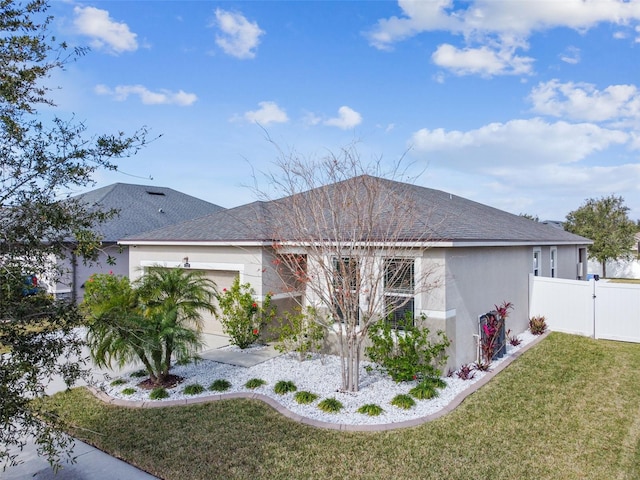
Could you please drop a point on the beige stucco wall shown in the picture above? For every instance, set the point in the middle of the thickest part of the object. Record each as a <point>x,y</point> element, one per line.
<point>465,282</point>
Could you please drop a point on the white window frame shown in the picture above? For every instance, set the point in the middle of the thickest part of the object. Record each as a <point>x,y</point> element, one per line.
<point>395,293</point>
<point>536,262</point>
<point>335,261</point>
<point>553,262</point>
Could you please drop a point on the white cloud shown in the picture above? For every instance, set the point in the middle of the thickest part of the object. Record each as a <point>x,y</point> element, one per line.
<point>311,119</point>
<point>161,97</point>
<point>583,101</point>
<point>347,118</point>
<point>571,55</point>
<point>106,33</point>
<point>238,37</point>
<point>481,17</point>
<point>483,61</point>
<point>493,30</point>
<point>517,144</point>
<point>269,112</point>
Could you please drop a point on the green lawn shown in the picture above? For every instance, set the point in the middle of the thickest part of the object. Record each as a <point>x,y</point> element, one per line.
<point>569,408</point>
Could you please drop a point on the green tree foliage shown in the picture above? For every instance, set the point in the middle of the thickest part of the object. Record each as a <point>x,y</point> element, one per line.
<point>605,221</point>
<point>153,321</point>
<point>39,159</point>
<point>242,316</point>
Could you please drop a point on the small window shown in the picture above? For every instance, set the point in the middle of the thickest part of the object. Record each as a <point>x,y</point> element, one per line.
<point>537,254</point>
<point>346,285</point>
<point>399,290</point>
<point>553,259</point>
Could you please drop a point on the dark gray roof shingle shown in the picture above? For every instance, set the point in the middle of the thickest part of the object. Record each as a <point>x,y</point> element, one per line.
<point>435,215</point>
<point>142,208</point>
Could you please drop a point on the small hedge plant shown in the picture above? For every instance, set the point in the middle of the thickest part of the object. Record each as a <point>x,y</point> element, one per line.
<point>129,391</point>
<point>300,332</point>
<point>403,401</point>
<point>330,405</point>
<point>371,409</point>
<point>407,353</point>
<point>220,385</point>
<point>255,383</point>
<point>193,389</point>
<point>304,398</point>
<point>158,393</point>
<point>285,386</point>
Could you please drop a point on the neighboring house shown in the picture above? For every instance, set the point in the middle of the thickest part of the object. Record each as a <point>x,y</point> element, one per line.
<point>628,267</point>
<point>140,208</point>
<point>480,257</point>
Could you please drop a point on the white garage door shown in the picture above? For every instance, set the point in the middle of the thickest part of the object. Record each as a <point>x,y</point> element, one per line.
<point>223,279</point>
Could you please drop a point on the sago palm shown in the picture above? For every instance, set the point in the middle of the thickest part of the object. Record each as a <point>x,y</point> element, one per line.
<point>157,317</point>
<point>173,301</point>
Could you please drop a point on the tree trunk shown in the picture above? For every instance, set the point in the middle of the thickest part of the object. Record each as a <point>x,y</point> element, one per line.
<point>353,363</point>
<point>604,268</point>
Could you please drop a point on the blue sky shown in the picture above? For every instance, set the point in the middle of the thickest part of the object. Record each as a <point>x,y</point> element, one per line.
<point>530,106</point>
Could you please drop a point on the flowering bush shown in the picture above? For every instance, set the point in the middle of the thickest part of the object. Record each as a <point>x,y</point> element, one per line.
<point>242,318</point>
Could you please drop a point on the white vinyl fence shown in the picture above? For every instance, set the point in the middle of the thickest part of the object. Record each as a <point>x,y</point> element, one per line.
<point>592,308</point>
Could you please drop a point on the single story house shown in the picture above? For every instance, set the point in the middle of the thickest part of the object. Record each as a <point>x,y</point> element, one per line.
<point>139,208</point>
<point>477,256</point>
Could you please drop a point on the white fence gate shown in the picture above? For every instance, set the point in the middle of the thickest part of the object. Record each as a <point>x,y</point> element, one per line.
<point>593,308</point>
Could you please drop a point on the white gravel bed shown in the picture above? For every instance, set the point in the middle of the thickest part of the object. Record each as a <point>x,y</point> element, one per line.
<point>319,375</point>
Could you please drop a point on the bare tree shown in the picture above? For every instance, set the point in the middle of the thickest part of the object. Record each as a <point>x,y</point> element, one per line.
<point>348,242</point>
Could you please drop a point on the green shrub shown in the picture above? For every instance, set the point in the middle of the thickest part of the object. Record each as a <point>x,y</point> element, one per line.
<point>187,360</point>
<point>424,391</point>
<point>129,391</point>
<point>284,386</point>
<point>300,332</point>
<point>330,405</point>
<point>220,385</point>
<point>304,398</point>
<point>139,373</point>
<point>371,409</point>
<point>242,318</point>
<point>255,383</point>
<point>193,389</point>
<point>538,325</point>
<point>118,381</point>
<point>403,401</point>
<point>158,393</point>
<point>435,381</point>
<point>407,353</point>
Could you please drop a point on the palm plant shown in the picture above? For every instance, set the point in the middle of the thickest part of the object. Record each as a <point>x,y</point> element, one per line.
<point>173,301</point>
<point>157,318</point>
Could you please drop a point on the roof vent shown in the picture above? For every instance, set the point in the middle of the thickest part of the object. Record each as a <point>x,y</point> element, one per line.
<point>155,193</point>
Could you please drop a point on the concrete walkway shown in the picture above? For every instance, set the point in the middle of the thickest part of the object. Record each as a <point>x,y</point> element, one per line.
<point>91,464</point>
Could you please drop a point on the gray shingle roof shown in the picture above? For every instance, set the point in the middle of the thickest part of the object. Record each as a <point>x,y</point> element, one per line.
<point>143,208</point>
<point>435,215</point>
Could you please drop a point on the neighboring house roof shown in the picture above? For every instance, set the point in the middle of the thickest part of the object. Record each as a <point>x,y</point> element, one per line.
<point>436,216</point>
<point>142,207</point>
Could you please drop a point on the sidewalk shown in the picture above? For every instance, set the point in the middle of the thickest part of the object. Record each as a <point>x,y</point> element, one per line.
<point>91,464</point>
